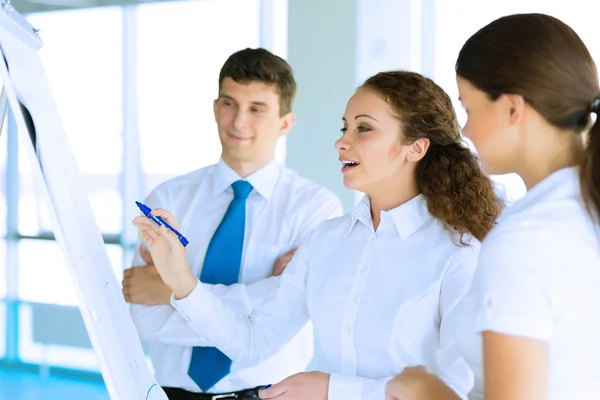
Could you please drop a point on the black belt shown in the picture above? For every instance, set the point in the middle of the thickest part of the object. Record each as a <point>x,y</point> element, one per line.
<point>180,394</point>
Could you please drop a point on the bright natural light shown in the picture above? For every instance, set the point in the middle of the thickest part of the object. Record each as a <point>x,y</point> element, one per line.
<point>176,77</point>
<point>178,71</point>
<point>177,65</point>
<point>456,21</point>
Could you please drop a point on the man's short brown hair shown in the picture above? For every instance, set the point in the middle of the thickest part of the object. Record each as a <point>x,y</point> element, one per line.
<point>260,65</point>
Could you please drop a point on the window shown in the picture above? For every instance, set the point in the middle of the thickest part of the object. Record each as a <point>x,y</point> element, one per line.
<point>84,62</point>
<point>3,255</point>
<point>31,351</point>
<point>3,287</point>
<point>179,59</point>
<point>82,57</point>
<point>87,92</point>
<point>84,73</point>
<point>456,21</point>
<point>3,152</point>
<point>3,327</point>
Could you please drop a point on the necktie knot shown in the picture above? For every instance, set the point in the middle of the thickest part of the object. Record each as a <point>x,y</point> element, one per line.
<point>241,189</point>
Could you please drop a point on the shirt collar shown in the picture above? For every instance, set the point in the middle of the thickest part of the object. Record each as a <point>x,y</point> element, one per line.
<point>263,181</point>
<point>410,216</point>
<point>362,213</point>
<point>407,217</point>
<point>560,184</point>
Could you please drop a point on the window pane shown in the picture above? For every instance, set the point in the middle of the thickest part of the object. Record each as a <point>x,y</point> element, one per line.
<point>2,271</point>
<point>454,26</point>
<point>179,79</point>
<point>43,273</point>
<point>70,357</point>
<point>83,60</point>
<point>3,149</point>
<point>33,352</point>
<point>2,330</point>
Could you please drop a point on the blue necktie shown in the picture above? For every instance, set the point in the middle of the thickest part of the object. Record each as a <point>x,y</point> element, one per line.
<point>221,265</point>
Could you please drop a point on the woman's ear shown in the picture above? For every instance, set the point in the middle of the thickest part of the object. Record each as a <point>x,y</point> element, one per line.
<point>417,150</point>
<point>514,105</point>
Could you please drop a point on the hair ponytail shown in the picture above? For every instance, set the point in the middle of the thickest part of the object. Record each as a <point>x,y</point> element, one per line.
<point>457,191</point>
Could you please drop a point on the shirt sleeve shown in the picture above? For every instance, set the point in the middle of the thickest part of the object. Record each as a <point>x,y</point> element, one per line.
<point>511,288</point>
<point>163,324</point>
<point>326,206</point>
<point>453,369</point>
<point>248,340</point>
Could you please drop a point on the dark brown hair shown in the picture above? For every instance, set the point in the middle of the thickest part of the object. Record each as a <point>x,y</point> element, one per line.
<point>260,65</point>
<point>545,61</point>
<point>449,176</point>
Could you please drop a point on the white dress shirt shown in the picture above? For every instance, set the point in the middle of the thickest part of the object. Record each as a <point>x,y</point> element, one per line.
<point>281,211</point>
<point>539,278</point>
<point>378,301</point>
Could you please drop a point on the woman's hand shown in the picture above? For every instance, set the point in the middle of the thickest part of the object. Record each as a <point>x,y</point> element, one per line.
<point>168,254</point>
<point>415,383</point>
<point>303,386</point>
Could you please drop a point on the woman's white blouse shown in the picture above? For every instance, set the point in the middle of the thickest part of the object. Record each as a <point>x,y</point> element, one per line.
<point>539,277</point>
<point>378,301</point>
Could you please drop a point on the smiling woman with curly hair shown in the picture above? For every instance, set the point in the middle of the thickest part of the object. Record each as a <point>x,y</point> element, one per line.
<point>379,284</point>
<point>454,187</point>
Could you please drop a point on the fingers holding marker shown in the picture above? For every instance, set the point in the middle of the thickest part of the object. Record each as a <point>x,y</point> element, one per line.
<point>144,222</point>
<point>149,231</point>
<point>166,216</point>
<point>157,215</point>
<point>148,236</point>
<point>169,236</point>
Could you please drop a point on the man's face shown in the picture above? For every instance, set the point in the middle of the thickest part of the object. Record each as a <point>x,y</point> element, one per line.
<point>248,121</point>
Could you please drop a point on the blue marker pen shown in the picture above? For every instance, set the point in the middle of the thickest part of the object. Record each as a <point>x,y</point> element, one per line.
<point>159,221</point>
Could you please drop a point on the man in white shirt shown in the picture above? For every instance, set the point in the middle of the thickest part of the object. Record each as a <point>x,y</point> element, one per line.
<point>240,216</point>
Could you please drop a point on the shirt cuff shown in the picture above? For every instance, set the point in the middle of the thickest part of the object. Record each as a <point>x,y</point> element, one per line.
<point>183,301</point>
<point>344,387</point>
<point>192,313</point>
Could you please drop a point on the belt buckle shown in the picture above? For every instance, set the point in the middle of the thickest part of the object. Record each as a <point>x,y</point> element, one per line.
<point>224,396</point>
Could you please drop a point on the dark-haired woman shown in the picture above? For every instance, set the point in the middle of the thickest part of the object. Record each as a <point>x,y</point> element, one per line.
<point>530,325</point>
